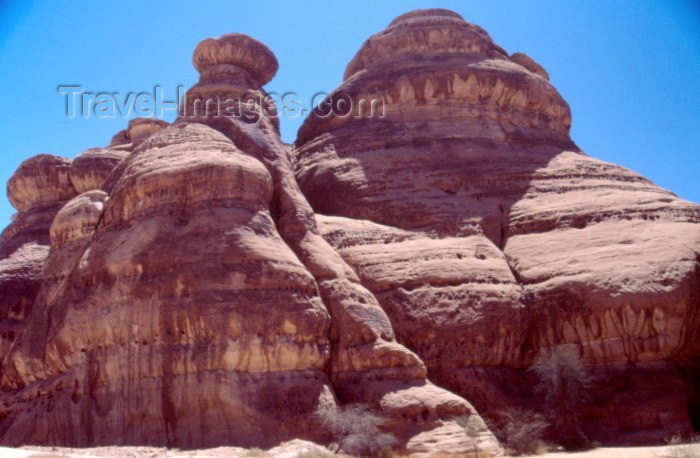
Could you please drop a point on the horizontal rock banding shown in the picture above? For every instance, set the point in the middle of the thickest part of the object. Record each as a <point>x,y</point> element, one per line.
<point>202,283</point>
<point>90,169</point>
<point>170,309</point>
<point>472,155</point>
<point>42,180</point>
<point>236,50</point>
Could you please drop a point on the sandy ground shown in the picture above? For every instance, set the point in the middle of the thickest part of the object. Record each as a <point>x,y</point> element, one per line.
<point>293,448</point>
<point>626,452</point>
<point>289,449</point>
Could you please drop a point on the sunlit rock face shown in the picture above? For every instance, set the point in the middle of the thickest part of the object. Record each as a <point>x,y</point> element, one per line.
<point>91,168</point>
<point>151,309</point>
<point>487,235</point>
<point>38,189</point>
<point>189,300</point>
<point>201,283</point>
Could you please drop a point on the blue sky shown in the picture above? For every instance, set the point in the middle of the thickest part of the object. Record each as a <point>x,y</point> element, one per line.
<point>629,69</point>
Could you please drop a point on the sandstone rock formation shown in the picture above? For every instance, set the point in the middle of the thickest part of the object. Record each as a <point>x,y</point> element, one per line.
<point>192,301</point>
<point>202,284</point>
<point>38,189</point>
<point>487,235</point>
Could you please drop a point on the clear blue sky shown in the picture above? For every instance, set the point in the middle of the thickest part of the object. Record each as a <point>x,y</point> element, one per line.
<point>629,69</point>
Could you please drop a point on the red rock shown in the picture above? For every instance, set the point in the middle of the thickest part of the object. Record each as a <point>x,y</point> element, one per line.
<point>202,277</point>
<point>486,234</point>
<point>91,168</point>
<point>38,189</point>
<point>40,181</point>
<point>235,52</point>
<point>138,130</point>
<point>202,283</point>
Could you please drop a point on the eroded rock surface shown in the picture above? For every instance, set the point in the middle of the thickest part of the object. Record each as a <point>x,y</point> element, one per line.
<point>160,301</point>
<point>486,234</point>
<point>91,169</point>
<point>38,189</point>
<point>189,300</point>
<point>203,284</point>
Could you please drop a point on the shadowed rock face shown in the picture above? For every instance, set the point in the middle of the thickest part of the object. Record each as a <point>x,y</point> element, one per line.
<point>486,234</point>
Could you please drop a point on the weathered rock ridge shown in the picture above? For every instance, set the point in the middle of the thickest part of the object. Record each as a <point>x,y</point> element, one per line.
<point>200,283</point>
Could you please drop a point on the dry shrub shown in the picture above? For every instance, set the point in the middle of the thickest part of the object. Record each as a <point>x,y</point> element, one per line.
<point>564,381</point>
<point>679,448</point>
<point>356,430</point>
<point>521,431</point>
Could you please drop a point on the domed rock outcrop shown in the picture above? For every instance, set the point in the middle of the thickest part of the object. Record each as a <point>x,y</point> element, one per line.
<point>91,168</point>
<point>201,283</point>
<point>41,181</point>
<point>184,254</point>
<point>138,130</point>
<point>78,218</point>
<point>366,363</point>
<point>38,189</point>
<point>200,276</point>
<point>487,235</point>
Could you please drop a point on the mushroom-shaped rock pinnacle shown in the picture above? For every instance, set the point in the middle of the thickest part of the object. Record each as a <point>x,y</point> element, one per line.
<point>237,50</point>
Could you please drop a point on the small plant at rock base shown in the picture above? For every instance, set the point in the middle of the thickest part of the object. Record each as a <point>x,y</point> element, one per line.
<point>356,430</point>
<point>564,381</point>
<point>678,448</point>
<point>521,431</point>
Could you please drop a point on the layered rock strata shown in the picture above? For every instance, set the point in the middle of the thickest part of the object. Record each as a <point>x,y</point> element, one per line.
<point>194,303</point>
<point>201,283</point>
<point>366,364</point>
<point>487,235</point>
<point>38,189</point>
